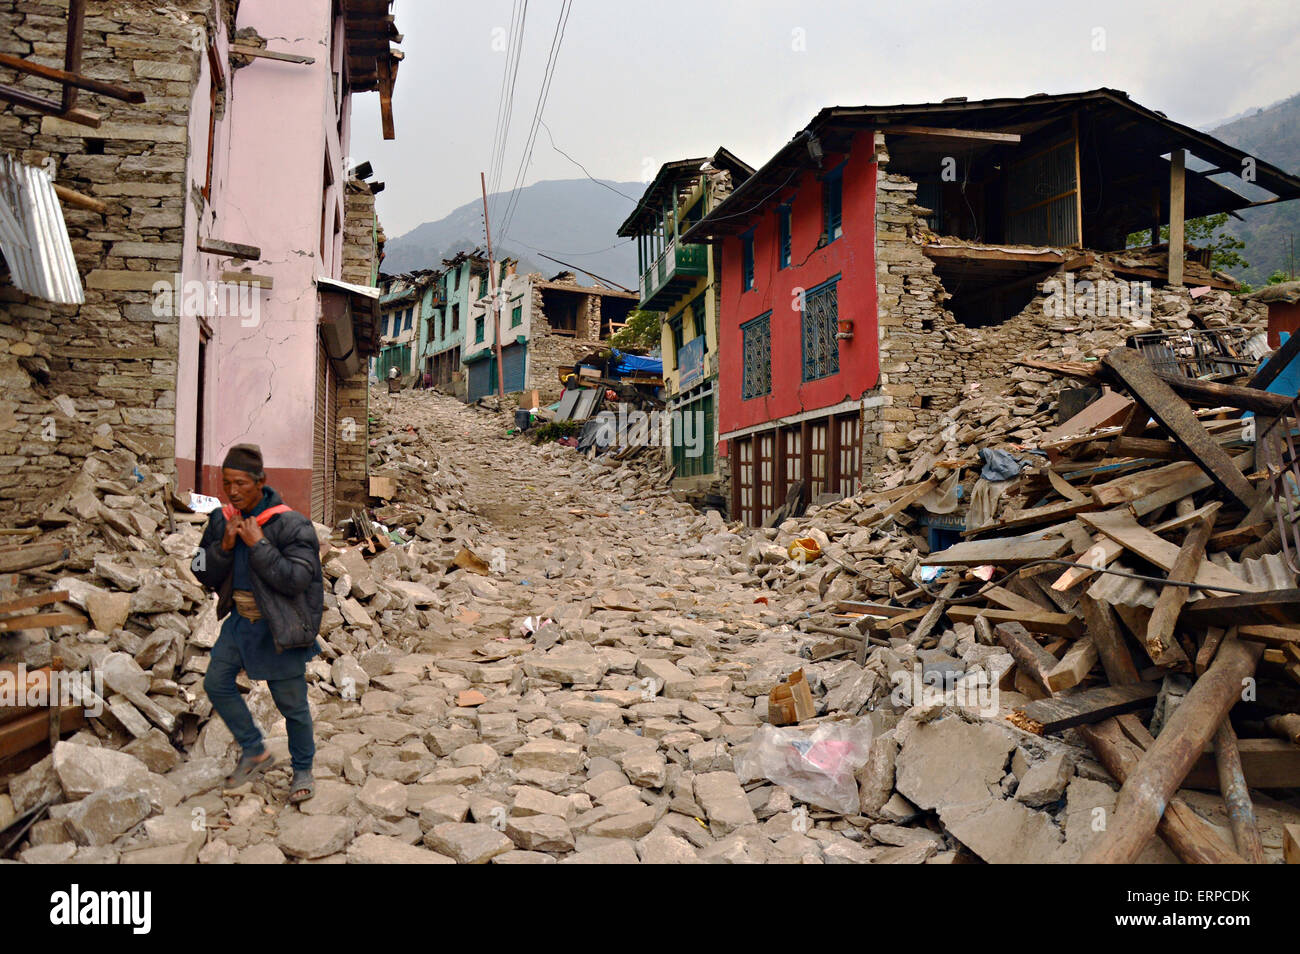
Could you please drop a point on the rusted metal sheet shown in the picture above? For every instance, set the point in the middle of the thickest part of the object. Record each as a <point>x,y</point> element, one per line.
<point>34,237</point>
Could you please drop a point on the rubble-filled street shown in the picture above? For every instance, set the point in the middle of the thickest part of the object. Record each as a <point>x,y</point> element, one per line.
<point>561,664</point>
<point>725,451</point>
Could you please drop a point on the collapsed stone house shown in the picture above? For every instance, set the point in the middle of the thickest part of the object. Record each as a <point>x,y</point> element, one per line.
<point>224,247</point>
<point>546,326</point>
<point>887,259</point>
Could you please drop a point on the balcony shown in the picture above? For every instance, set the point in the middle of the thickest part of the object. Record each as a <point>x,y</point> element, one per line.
<point>672,274</point>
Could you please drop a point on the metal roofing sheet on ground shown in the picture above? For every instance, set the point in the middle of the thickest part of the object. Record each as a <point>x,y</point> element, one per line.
<point>1267,572</point>
<point>34,237</point>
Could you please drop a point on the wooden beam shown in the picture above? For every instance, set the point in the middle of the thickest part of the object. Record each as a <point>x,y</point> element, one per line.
<point>244,49</point>
<point>974,253</point>
<point>24,556</point>
<point>247,278</point>
<point>80,200</point>
<point>1058,713</point>
<point>940,132</point>
<point>1074,665</point>
<point>387,76</point>
<point>72,46</point>
<point>1162,648</point>
<point>1103,628</point>
<point>1051,624</point>
<point>1124,530</point>
<point>1177,202</point>
<point>1173,414</point>
<point>49,107</point>
<point>1004,551</point>
<point>232,249</point>
<point>1165,765</point>
<point>75,80</point>
<point>1266,764</point>
<point>1266,608</point>
<point>1186,833</point>
<point>1215,394</point>
<point>1236,795</point>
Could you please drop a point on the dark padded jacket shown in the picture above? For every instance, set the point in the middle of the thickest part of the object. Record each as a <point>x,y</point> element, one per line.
<point>286,573</point>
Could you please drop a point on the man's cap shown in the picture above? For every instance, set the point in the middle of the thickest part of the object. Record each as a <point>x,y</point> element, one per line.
<point>245,457</point>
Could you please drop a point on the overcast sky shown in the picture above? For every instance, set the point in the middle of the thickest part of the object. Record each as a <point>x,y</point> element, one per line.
<point>638,84</point>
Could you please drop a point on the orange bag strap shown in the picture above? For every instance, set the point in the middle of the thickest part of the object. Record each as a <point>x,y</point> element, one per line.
<point>229,511</point>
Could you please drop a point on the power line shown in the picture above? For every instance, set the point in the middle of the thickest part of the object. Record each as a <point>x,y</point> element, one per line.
<point>544,91</point>
<point>517,43</point>
<point>501,96</point>
<point>573,254</point>
<point>581,166</point>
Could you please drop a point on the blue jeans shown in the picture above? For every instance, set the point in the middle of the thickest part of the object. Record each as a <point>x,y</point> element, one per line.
<point>290,696</point>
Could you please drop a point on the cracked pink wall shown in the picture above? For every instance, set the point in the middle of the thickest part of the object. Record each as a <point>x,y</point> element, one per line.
<point>281,127</point>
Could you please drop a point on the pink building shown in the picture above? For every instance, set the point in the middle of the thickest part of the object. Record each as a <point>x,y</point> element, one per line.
<point>273,338</point>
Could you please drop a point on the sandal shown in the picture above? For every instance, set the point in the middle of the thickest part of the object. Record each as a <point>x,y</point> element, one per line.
<point>247,768</point>
<point>302,783</point>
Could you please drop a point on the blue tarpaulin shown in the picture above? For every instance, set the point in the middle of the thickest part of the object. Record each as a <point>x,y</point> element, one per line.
<point>629,363</point>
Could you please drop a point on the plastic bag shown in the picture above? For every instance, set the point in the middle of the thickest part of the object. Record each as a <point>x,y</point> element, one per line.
<point>815,766</point>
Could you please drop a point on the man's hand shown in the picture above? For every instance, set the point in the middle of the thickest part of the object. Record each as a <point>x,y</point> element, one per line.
<point>233,525</point>
<point>250,532</point>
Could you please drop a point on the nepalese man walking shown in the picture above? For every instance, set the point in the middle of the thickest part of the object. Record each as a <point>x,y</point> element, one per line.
<point>263,559</point>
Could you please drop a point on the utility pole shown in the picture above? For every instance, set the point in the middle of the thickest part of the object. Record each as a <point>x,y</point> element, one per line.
<point>492,292</point>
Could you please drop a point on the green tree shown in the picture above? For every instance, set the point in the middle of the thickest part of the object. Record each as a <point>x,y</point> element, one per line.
<point>1204,232</point>
<point>641,331</point>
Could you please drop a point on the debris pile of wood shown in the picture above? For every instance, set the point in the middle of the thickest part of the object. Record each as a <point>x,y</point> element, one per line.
<point>1132,590</point>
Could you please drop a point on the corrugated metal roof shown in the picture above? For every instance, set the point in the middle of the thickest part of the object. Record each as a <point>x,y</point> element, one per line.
<point>34,237</point>
<point>1267,572</point>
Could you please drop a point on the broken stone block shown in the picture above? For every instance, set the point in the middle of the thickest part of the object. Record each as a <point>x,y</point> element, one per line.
<point>1045,782</point>
<point>632,824</point>
<point>263,853</point>
<point>84,769</point>
<point>535,801</point>
<point>313,836</point>
<point>108,611</point>
<point>332,798</point>
<point>616,852</point>
<point>102,816</point>
<point>645,767</point>
<point>550,755</point>
<point>155,750</point>
<point>349,678</point>
<point>724,801</point>
<point>442,810</point>
<point>1002,831</point>
<point>383,798</point>
<point>40,783</point>
<point>663,846</point>
<point>373,849</point>
<point>876,776</point>
<point>468,844</point>
<point>951,762</point>
<point>540,833</point>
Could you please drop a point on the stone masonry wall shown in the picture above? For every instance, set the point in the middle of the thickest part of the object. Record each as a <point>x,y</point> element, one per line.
<point>103,374</point>
<point>360,256</point>
<point>929,361</point>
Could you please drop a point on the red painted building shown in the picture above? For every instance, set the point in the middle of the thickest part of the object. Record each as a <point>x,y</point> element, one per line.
<point>798,313</point>
<point>861,266</point>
